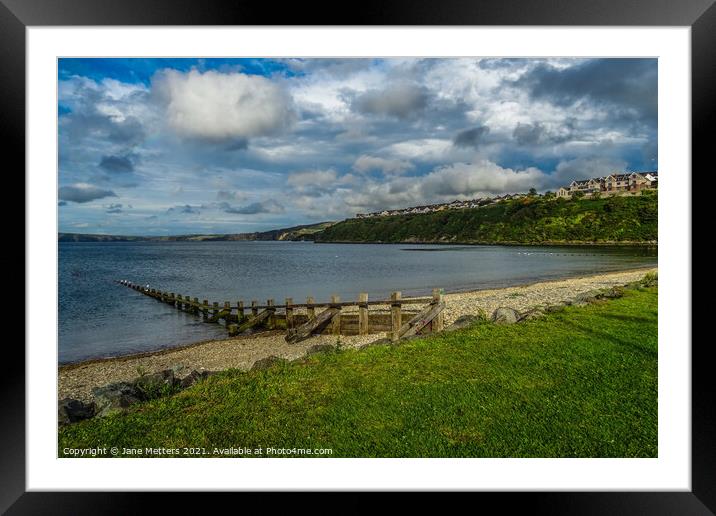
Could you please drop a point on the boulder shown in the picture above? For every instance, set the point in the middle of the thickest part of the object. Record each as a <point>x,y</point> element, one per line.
<point>464,321</point>
<point>115,397</point>
<point>505,315</point>
<point>265,363</point>
<point>584,298</point>
<point>532,313</point>
<point>612,293</point>
<point>319,348</point>
<point>178,369</point>
<point>152,385</point>
<point>70,411</point>
<point>193,377</point>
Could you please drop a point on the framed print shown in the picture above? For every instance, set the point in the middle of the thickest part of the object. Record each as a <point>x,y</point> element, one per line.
<point>416,253</point>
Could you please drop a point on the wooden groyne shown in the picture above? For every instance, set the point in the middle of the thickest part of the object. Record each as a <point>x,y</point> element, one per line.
<point>403,318</point>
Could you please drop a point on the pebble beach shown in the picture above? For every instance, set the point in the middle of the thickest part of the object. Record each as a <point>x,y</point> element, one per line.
<point>77,380</point>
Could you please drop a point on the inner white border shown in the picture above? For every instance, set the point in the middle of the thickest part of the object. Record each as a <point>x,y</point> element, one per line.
<point>671,471</point>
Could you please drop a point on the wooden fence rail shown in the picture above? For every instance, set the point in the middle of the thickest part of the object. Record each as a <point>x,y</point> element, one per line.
<point>238,318</point>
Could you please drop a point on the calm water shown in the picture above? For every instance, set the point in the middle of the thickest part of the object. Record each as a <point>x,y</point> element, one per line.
<point>99,318</point>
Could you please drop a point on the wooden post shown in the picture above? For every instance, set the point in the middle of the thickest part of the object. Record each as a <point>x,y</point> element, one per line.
<point>310,311</point>
<point>395,315</point>
<point>289,313</point>
<point>240,311</point>
<point>187,303</point>
<point>271,322</point>
<point>362,313</point>
<point>205,309</point>
<point>336,321</point>
<point>437,324</point>
<point>254,310</point>
<point>196,306</point>
<point>227,309</point>
<point>215,312</point>
<point>179,305</point>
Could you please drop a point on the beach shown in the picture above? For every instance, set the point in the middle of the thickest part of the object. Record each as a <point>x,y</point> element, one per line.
<point>77,380</point>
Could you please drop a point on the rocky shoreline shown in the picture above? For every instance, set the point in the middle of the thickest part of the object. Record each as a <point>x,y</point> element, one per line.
<point>180,367</point>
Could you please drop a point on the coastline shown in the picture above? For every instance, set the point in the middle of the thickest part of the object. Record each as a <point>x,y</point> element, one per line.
<point>507,243</point>
<point>75,380</point>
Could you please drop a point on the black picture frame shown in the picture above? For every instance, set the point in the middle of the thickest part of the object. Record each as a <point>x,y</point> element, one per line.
<point>17,15</point>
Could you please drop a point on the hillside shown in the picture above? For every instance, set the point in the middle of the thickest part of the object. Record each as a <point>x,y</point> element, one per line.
<point>305,232</point>
<point>530,220</point>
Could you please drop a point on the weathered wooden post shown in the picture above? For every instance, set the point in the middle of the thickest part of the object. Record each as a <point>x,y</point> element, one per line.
<point>437,324</point>
<point>254,308</point>
<point>395,315</point>
<point>239,311</point>
<point>179,301</point>
<point>227,309</point>
<point>310,311</point>
<point>271,321</point>
<point>362,313</point>
<point>215,311</point>
<point>195,310</point>
<point>205,309</point>
<point>289,313</point>
<point>336,321</point>
<point>187,303</point>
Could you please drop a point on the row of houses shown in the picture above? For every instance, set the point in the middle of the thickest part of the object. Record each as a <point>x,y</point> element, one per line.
<point>454,205</point>
<point>613,184</point>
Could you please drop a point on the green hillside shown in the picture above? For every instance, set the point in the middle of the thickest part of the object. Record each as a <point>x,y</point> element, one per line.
<point>530,220</point>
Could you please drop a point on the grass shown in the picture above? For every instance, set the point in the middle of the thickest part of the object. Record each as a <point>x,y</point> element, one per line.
<point>580,382</point>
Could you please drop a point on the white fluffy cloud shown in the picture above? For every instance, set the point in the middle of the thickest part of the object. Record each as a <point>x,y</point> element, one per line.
<point>219,106</point>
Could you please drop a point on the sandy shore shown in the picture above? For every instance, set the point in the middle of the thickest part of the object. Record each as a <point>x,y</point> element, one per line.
<point>77,380</point>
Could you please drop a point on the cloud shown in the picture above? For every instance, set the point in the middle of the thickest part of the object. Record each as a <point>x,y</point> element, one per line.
<point>119,164</point>
<point>470,179</point>
<point>62,203</point>
<point>83,192</point>
<point>223,106</point>
<point>629,85</point>
<point>185,209</point>
<point>226,195</point>
<point>528,134</point>
<point>268,206</point>
<point>114,208</point>
<point>321,178</point>
<point>367,163</point>
<point>400,100</point>
<point>584,168</point>
<point>471,137</point>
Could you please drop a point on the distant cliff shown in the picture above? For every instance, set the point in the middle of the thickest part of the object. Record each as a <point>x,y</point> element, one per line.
<point>529,220</point>
<point>305,232</point>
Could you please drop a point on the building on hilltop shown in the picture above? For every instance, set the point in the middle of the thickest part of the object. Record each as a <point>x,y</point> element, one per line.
<point>631,183</point>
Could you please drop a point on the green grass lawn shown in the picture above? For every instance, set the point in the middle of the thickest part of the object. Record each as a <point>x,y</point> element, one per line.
<point>580,382</point>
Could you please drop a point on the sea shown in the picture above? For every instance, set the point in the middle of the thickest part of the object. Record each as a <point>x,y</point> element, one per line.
<point>100,318</point>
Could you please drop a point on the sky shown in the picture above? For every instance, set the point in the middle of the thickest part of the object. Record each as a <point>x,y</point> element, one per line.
<point>182,146</point>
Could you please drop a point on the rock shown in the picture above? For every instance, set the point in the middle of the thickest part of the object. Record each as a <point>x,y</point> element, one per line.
<point>319,348</point>
<point>193,377</point>
<point>70,410</point>
<point>463,321</point>
<point>177,369</point>
<point>612,293</point>
<point>533,313</point>
<point>584,298</point>
<point>505,315</point>
<point>267,362</point>
<point>153,385</point>
<point>115,397</point>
